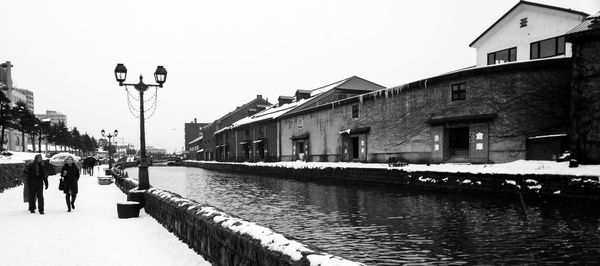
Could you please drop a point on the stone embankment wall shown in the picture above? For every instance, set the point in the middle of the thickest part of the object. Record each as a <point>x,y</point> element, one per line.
<point>11,175</point>
<point>530,186</point>
<point>224,239</point>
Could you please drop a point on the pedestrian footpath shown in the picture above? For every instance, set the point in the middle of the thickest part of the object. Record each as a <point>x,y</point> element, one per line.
<point>92,234</point>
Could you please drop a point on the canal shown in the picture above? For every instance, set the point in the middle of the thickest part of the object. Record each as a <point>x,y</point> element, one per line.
<point>394,226</point>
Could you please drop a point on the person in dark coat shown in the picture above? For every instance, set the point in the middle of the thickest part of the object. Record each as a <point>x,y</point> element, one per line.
<point>88,165</point>
<point>36,180</point>
<point>69,174</point>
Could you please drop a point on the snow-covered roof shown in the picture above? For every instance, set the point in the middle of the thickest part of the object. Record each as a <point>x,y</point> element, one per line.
<point>325,88</point>
<point>548,136</point>
<point>196,139</point>
<point>270,113</point>
<point>586,25</point>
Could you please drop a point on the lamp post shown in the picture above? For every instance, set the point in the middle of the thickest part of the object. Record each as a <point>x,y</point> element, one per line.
<point>109,136</point>
<point>160,75</point>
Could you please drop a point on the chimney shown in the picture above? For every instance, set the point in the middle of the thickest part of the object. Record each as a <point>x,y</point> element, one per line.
<point>195,120</point>
<point>285,99</point>
<point>258,96</point>
<point>302,94</point>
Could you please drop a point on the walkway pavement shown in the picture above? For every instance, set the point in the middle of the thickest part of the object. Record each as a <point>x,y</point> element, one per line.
<point>92,234</point>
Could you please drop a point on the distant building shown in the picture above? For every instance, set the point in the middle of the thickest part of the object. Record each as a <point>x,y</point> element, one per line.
<point>54,116</point>
<point>213,150</point>
<point>193,130</point>
<point>256,137</point>
<point>13,139</point>
<point>23,95</point>
<point>527,31</point>
<point>196,150</point>
<point>153,150</point>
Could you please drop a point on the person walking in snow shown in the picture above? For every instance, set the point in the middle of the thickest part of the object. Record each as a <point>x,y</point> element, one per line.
<point>69,175</point>
<point>36,180</point>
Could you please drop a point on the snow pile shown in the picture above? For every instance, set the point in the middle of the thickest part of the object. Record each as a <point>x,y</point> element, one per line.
<point>533,185</point>
<point>517,167</point>
<point>92,234</point>
<point>512,183</point>
<point>427,179</point>
<point>17,157</point>
<point>267,237</point>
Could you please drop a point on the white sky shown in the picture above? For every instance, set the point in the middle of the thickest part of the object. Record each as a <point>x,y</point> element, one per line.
<point>221,54</point>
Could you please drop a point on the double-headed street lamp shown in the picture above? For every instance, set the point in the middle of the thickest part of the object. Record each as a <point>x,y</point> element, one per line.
<point>109,136</point>
<point>160,75</point>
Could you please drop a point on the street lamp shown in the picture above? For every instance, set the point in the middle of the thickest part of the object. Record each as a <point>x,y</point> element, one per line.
<point>160,76</point>
<point>109,136</point>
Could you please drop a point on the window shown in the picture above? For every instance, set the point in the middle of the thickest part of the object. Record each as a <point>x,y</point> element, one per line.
<point>504,56</point>
<point>355,111</point>
<point>300,121</point>
<point>548,48</point>
<point>459,91</point>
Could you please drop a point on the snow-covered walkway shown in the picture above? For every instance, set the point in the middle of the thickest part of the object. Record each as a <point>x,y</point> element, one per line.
<point>92,234</point>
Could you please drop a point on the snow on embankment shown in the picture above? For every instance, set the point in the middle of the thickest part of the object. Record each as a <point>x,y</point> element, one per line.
<point>519,167</point>
<point>229,240</point>
<point>532,179</point>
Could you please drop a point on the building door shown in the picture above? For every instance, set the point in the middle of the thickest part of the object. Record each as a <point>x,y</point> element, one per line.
<point>345,148</point>
<point>355,149</point>
<point>458,143</point>
<point>246,151</point>
<point>260,151</point>
<point>300,150</point>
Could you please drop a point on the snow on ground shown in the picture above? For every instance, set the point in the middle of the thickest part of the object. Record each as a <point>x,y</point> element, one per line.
<point>92,234</point>
<point>516,167</point>
<point>18,157</point>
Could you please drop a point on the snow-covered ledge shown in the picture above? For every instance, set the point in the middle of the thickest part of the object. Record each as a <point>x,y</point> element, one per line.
<point>223,239</point>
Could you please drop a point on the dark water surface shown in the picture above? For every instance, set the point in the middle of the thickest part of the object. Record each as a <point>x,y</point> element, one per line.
<point>394,226</point>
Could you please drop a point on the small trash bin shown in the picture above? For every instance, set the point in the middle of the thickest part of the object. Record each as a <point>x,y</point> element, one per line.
<point>129,209</point>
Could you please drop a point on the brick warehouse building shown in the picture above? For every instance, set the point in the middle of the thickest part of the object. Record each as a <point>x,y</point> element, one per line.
<point>215,149</point>
<point>584,133</point>
<point>527,91</point>
<point>511,106</point>
<point>257,138</point>
<point>475,115</point>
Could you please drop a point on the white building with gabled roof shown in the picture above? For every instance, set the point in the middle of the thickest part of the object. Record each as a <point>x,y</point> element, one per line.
<point>527,31</point>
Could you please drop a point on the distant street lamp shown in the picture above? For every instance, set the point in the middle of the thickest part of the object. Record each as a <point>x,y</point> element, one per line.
<point>109,136</point>
<point>160,75</point>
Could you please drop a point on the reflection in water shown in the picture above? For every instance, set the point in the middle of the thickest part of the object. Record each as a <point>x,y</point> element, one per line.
<point>391,226</point>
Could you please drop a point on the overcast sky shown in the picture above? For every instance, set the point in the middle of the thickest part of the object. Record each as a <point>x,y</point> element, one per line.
<point>221,54</point>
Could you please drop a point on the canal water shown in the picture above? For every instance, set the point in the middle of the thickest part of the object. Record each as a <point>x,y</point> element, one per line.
<point>395,226</point>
